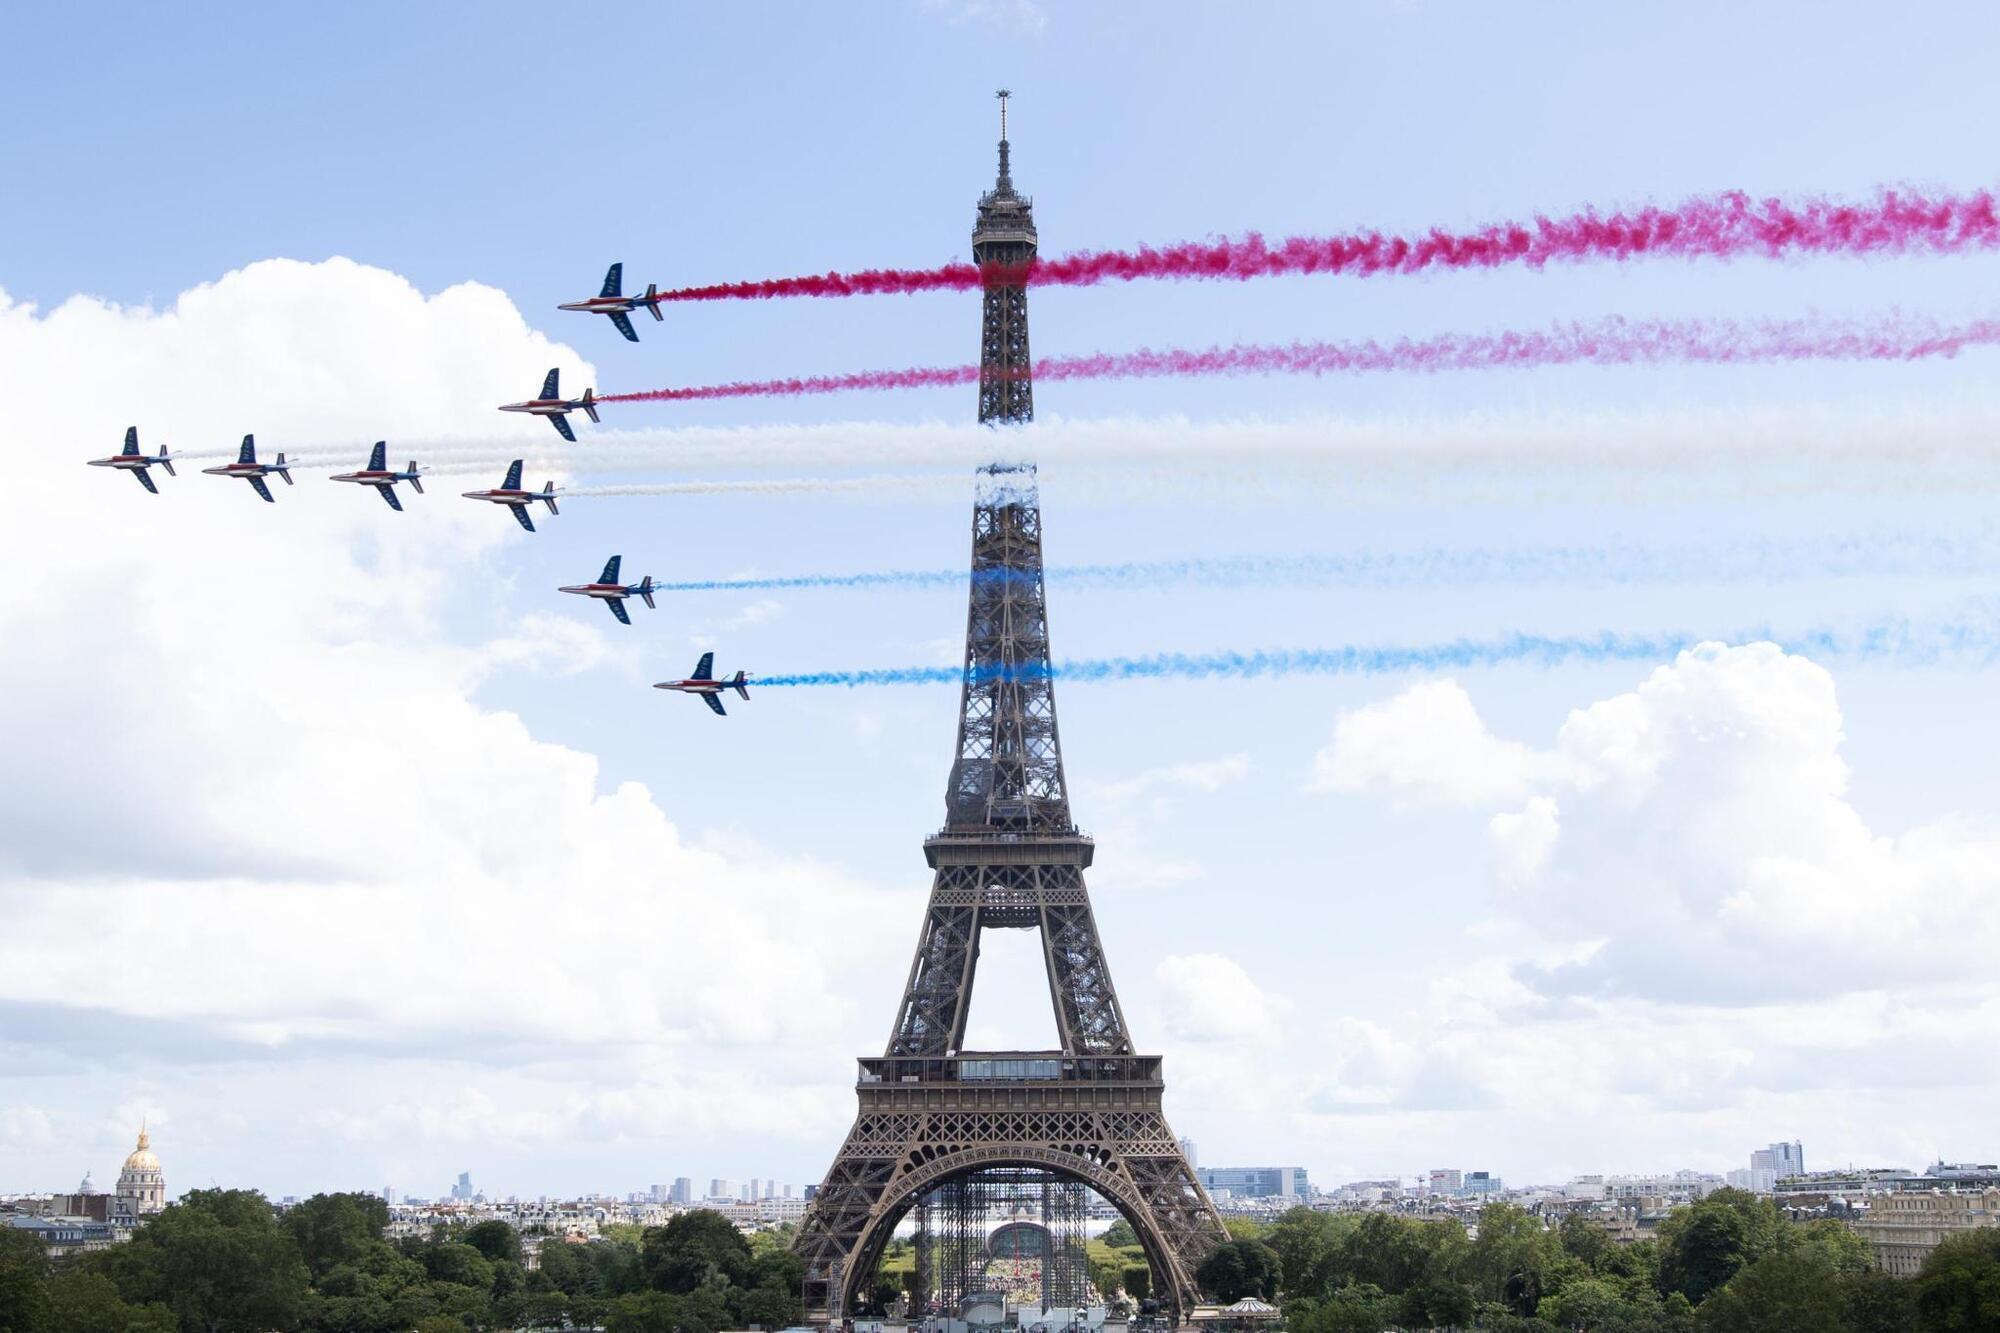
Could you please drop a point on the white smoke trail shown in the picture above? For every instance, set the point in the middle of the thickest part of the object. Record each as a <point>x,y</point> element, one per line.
<point>1866,448</point>
<point>939,484</point>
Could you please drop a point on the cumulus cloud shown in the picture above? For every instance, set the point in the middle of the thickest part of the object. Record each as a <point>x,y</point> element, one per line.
<point>253,801</point>
<point>1207,997</point>
<point>1696,832</point>
<point>1427,744</point>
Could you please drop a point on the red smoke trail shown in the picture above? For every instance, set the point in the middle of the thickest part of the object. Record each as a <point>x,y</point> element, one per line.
<point>1611,342</point>
<point>1722,226</point>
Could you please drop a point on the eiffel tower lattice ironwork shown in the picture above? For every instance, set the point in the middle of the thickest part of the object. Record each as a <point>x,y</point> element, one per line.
<point>1009,856</point>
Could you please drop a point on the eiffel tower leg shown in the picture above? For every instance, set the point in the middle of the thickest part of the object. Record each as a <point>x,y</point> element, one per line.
<point>1079,977</point>
<point>931,1020</point>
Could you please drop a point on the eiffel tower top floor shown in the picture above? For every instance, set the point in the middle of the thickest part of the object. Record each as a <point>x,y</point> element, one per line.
<point>1004,232</point>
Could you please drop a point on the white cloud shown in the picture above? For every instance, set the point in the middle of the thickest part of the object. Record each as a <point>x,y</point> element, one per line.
<point>1427,744</point>
<point>253,812</point>
<point>1697,832</point>
<point>1207,997</point>
<point>1703,943</point>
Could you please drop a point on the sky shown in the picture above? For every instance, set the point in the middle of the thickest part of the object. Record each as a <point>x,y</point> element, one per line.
<point>347,853</point>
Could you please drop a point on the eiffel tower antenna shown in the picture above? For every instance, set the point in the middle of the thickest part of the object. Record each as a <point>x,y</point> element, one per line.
<point>938,1123</point>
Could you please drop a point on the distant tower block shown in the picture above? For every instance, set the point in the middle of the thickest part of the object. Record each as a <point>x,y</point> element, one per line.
<point>936,1119</point>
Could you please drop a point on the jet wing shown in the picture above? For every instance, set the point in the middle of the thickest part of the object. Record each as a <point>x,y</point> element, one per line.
<point>623,323</point>
<point>617,605</point>
<point>262,489</point>
<point>521,514</point>
<point>389,494</point>
<point>561,422</point>
<point>145,480</point>
<point>716,704</point>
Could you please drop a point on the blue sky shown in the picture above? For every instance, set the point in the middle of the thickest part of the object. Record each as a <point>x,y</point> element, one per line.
<point>1319,925</point>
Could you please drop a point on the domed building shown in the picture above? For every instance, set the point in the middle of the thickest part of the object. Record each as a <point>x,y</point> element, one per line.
<point>142,1189</point>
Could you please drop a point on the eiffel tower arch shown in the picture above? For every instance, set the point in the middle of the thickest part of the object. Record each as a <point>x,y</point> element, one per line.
<point>1009,857</point>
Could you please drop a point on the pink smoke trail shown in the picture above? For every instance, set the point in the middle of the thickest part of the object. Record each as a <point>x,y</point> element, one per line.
<point>1611,342</point>
<point>1722,226</point>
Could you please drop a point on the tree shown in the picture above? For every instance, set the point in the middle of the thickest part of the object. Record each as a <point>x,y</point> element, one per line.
<point>332,1229</point>
<point>1309,1244</point>
<point>218,1259</point>
<point>1958,1288</point>
<point>1878,1303</point>
<point>1584,1240</point>
<point>1777,1294</point>
<point>694,1250</point>
<point>1437,1303</point>
<point>1362,1308</point>
<point>1396,1253</point>
<point>1239,1268</point>
<point>24,1276</point>
<point>87,1302</point>
<point>1701,1248</point>
<point>1120,1235</point>
<point>495,1239</point>
<point>1138,1281</point>
<point>1508,1262</point>
<point>458,1265</point>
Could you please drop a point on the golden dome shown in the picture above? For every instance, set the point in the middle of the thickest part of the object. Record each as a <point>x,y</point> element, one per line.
<point>142,1158</point>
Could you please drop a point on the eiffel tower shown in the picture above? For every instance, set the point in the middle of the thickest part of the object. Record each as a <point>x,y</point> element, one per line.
<point>1009,856</point>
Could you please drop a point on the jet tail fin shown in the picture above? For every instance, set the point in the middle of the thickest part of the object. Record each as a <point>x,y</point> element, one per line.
<point>549,496</point>
<point>283,471</point>
<point>653,300</point>
<point>740,682</point>
<point>646,591</point>
<point>416,482</point>
<point>166,462</point>
<point>589,404</point>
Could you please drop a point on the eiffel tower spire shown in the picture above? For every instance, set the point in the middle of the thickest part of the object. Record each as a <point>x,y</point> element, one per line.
<point>935,1117</point>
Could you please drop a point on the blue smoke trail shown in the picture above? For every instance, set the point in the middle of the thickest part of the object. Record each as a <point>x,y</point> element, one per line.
<point>1974,642</point>
<point>1759,561</point>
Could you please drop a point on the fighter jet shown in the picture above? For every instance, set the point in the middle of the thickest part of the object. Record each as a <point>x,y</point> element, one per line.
<point>247,467</point>
<point>509,493</point>
<point>378,475</point>
<point>553,406</point>
<point>131,460</point>
<point>704,683</point>
<point>619,308</point>
<point>612,592</point>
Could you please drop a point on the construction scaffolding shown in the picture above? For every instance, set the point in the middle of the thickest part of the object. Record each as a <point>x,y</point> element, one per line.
<point>1019,1230</point>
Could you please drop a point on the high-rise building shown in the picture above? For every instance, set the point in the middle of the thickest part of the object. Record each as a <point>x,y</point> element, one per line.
<point>463,1189</point>
<point>1770,1165</point>
<point>721,1188</point>
<point>683,1191</point>
<point>1256,1182</point>
<point>389,1195</point>
<point>1187,1151</point>
<point>1447,1180</point>
<point>656,1194</point>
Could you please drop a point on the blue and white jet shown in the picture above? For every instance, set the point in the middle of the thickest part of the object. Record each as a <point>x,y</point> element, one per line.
<point>618,308</point>
<point>612,593</point>
<point>379,475</point>
<point>131,460</point>
<point>704,683</point>
<point>556,407</point>
<point>509,493</point>
<point>249,469</point>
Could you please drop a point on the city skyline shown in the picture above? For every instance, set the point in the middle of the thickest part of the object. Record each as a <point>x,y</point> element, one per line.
<point>395,864</point>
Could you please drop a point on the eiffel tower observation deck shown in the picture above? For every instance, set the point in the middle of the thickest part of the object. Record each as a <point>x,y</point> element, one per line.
<point>935,1117</point>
